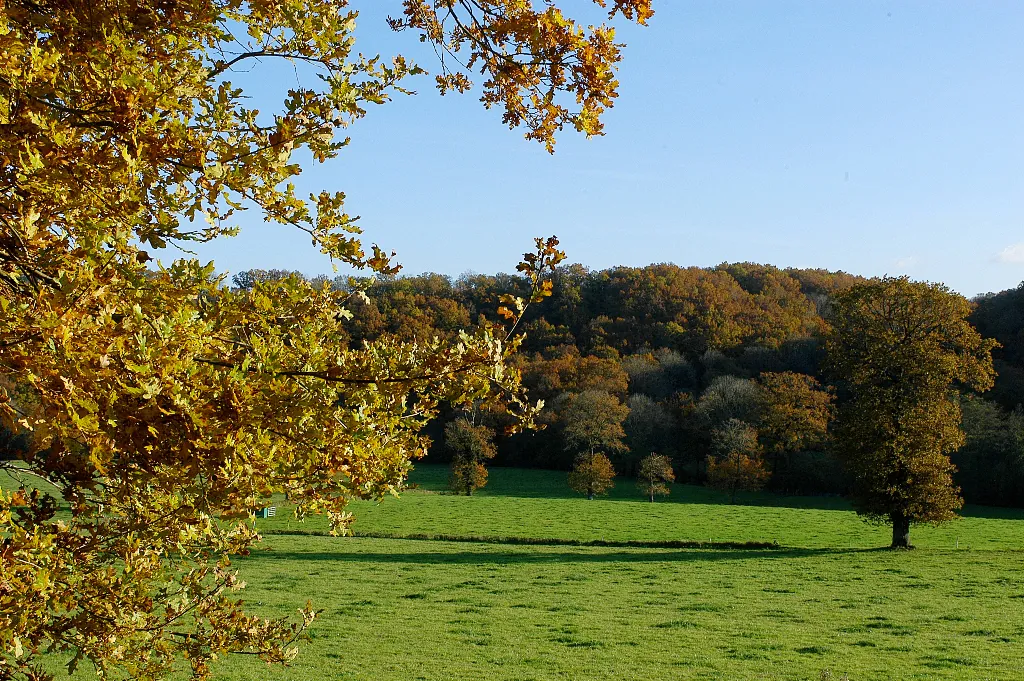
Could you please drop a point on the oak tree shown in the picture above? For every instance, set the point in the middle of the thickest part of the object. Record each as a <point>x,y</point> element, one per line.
<point>593,426</point>
<point>165,407</point>
<point>795,413</point>
<point>531,54</point>
<point>649,426</point>
<point>902,349</point>
<point>593,423</point>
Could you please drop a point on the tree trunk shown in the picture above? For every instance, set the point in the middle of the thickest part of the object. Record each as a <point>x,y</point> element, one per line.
<point>590,494</point>
<point>652,497</point>
<point>735,481</point>
<point>900,530</point>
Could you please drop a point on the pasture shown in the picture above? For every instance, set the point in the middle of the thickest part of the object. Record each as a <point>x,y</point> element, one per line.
<point>826,602</point>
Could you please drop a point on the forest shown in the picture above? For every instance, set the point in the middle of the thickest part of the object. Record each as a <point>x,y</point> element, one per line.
<point>674,360</point>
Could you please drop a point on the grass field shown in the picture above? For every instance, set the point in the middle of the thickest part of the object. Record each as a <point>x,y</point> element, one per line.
<point>826,600</point>
<point>533,503</point>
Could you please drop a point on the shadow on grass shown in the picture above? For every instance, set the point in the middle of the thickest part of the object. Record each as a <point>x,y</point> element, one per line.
<point>528,483</point>
<point>532,483</point>
<point>544,541</point>
<point>992,512</point>
<point>505,557</point>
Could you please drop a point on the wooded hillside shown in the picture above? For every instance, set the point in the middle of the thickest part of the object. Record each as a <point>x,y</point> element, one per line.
<point>687,349</point>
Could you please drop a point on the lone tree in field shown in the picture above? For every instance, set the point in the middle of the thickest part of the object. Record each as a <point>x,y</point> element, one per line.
<point>164,407</point>
<point>736,464</point>
<point>470,446</point>
<point>592,474</point>
<point>654,475</point>
<point>593,425</point>
<point>900,348</point>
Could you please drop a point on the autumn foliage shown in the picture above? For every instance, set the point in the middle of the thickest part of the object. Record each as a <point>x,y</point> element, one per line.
<point>654,475</point>
<point>470,446</point>
<point>592,474</point>
<point>164,407</point>
<point>900,347</point>
<point>543,68</point>
<point>737,463</point>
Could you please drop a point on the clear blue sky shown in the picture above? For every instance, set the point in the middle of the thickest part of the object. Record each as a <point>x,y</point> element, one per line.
<point>871,137</point>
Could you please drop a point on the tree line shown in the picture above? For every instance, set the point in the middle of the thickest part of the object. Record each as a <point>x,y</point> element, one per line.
<point>703,366</point>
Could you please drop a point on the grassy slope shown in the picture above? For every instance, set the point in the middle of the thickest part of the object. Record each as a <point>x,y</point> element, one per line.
<point>398,609</point>
<point>434,610</point>
<point>401,609</point>
<point>532,503</point>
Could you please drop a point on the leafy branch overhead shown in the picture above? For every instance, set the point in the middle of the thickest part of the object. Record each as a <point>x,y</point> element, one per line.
<point>540,66</point>
<point>534,266</point>
<point>162,407</point>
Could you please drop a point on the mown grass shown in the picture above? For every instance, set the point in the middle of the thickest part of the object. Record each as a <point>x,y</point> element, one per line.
<point>826,598</point>
<point>539,504</point>
<point>436,610</point>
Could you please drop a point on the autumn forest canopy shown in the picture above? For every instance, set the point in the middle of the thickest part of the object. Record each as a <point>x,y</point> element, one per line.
<point>684,350</point>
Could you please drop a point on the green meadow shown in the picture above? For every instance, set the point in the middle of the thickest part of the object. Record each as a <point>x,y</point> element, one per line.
<point>826,602</point>
<point>500,593</point>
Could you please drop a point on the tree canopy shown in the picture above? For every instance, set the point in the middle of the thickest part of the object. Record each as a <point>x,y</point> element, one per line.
<point>654,475</point>
<point>592,474</point>
<point>470,446</point>
<point>164,407</point>
<point>593,423</point>
<point>736,464</point>
<point>901,349</point>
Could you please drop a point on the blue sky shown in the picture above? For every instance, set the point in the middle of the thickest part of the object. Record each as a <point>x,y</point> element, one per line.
<point>871,137</point>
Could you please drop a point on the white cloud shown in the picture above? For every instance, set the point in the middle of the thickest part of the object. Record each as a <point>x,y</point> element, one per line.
<point>905,263</point>
<point>1013,255</point>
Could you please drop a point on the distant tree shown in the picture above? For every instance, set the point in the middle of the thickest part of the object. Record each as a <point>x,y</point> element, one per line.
<point>757,359</point>
<point>247,279</point>
<point>646,376</point>
<point>470,446</point>
<point>681,374</point>
<point>592,474</point>
<point>648,427</point>
<point>655,475</point>
<point>1009,387</point>
<point>900,347</point>
<point>593,423</point>
<point>803,355</point>
<point>991,462</point>
<point>659,374</point>
<point>567,371</point>
<point>728,397</point>
<point>795,413</point>
<point>1001,316</point>
<point>715,364</point>
<point>736,464</point>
